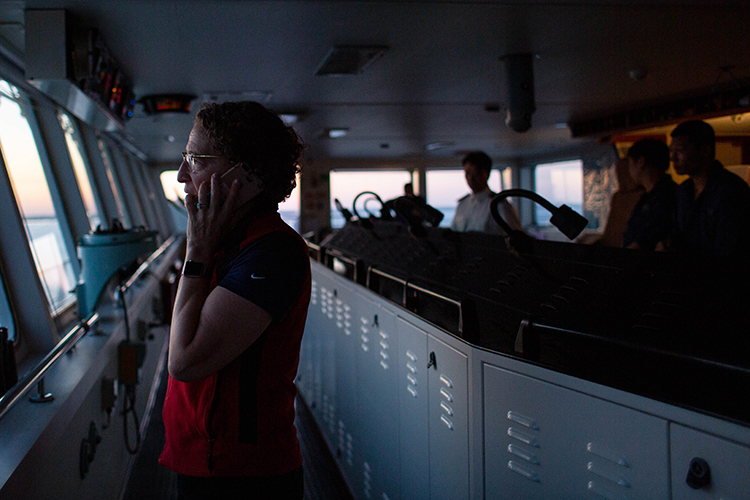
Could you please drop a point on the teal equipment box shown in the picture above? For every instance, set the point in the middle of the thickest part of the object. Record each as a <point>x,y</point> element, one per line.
<point>102,254</point>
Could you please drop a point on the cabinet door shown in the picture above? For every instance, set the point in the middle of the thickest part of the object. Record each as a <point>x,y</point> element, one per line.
<point>386,368</point>
<point>544,441</point>
<point>728,462</point>
<point>316,329</point>
<point>377,378</point>
<point>413,411</point>
<point>367,321</point>
<point>448,420</point>
<point>303,380</point>
<point>345,413</point>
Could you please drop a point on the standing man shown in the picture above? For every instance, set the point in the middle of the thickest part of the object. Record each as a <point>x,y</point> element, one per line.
<point>473,212</point>
<point>651,219</point>
<point>713,205</point>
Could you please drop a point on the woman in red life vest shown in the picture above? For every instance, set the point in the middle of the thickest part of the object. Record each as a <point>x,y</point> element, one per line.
<point>239,312</point>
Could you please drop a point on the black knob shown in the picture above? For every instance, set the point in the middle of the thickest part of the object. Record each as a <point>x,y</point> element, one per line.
<point>699,474</point>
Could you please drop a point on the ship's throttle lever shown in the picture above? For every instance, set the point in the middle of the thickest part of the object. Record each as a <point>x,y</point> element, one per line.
<point>699,474</point>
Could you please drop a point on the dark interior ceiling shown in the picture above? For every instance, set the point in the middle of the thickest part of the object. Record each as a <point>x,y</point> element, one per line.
<point>441,69</point>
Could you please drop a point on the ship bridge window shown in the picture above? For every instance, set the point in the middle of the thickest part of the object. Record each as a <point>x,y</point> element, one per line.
<point>445,187</point>
<point>346,185</point>
<point>289,208</point>
<point>175,194</point>
<point>560,183</point>
<point>172,189</point>
<point>114,183</point>
<point>80,168</point>
<point>6,316</point>
<point>34,200</point>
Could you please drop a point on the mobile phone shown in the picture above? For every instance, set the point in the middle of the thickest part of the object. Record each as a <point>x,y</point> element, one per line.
<point>250,185</point>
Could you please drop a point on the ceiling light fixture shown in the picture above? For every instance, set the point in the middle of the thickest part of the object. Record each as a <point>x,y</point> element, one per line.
<point>337,133</point>
<point>519,72</point>
<point>438,145</point>
<point>288,118</point>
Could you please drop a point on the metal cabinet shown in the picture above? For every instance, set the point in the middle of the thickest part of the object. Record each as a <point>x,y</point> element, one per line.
<point>433,389</point>
<point>343,415</point>
<point>728,463</point>
<point>413,412</point>
<point>377,429</point>
<point>545,441</point>
<point>449,421</point>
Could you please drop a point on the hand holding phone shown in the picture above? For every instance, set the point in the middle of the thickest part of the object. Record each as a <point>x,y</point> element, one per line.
<point>250,185</point>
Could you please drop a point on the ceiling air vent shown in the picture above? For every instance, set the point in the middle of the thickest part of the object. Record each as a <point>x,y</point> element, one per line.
<point>347,60</point>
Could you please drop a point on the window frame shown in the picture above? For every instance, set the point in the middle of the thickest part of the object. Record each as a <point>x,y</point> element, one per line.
<point>111,171</point>
<point>34,332</point>
<point>6,304</point>
<point>124,178</point>
<point>83,151</point>
<point>61,314</point>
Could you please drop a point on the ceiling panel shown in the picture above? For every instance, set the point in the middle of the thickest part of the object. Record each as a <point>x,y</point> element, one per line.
<point>441,69</point>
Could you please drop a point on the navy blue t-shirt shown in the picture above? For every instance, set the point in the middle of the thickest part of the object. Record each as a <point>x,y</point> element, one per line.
<point>269,272</point>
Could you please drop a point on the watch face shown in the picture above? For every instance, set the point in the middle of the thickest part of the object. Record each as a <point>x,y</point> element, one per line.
<point>192,268</point>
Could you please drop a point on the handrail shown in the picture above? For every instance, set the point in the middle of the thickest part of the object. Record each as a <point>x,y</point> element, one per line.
<point>69,341</point>
<point>144,267</point>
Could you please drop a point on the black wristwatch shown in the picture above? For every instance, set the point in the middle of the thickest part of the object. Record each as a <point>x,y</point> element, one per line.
<point>193,269</point>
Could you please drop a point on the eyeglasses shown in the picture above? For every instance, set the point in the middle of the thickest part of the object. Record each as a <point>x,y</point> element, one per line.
<point>190,159</point>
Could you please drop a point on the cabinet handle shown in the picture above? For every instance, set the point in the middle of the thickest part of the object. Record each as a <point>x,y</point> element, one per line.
<point>432,362</point>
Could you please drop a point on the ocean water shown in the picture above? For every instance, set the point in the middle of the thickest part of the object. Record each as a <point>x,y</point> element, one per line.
<point>52,260</point>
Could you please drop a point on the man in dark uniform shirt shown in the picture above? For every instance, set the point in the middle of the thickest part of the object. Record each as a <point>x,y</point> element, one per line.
<point>651,220</point>
<point>713,205</point>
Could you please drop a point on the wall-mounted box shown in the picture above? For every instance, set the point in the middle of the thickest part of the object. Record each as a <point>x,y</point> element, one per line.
<point>73,66</point>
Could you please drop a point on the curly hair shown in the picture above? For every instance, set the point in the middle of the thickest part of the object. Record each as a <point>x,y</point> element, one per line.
<point>249,133</point>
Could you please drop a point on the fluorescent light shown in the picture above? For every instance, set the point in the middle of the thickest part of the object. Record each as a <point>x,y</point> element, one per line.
<point>337,133</point>
<point>289,119</point>
<point>438,145</point>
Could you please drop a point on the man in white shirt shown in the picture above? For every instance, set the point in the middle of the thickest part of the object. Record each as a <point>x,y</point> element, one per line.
<point>473,211</point>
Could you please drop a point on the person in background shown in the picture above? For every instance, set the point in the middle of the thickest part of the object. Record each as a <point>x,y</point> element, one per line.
<point>473,211</point>
<point>409,192</point>
<point>650,222</point>
<point>713,205</point>
<point>239,312</point>
<point>413,210</point>
<point>620,209</point>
